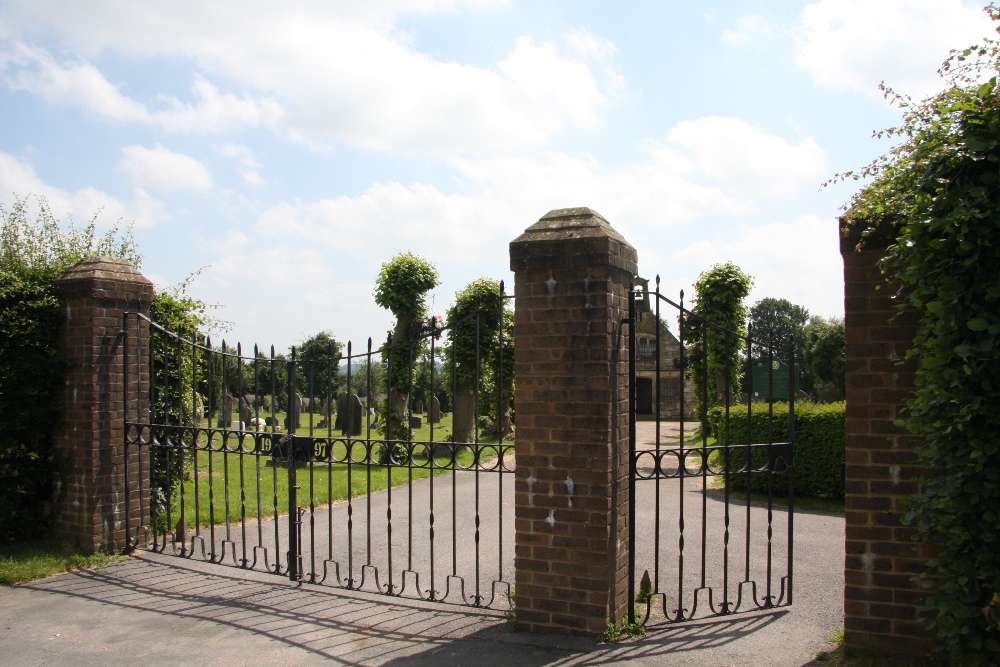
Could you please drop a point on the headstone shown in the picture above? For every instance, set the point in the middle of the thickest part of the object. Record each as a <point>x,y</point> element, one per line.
<point>246,410</point>
<point>354,414</point>
<point>252,399</point>
<point>225,411</point>
<point>270,421</point>
<point>306,405</point>
<point>323,423</point>
<point>434,414</point>
<point>415,422</point>
<point>418,407</point>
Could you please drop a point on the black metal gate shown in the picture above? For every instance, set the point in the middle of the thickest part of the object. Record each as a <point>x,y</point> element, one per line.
<point>712,490</point>
<point>299,467</point>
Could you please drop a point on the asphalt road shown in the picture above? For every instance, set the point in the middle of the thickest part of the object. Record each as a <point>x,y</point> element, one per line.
<point>163,609</point>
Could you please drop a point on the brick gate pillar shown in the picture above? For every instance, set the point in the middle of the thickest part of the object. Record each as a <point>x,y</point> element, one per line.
<point>572,276</point>
<point>880,598</point>
<point>95,294</point>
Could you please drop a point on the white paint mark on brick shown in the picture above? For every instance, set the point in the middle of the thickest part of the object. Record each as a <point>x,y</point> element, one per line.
<point>868,565</point>
<point>551,518</point>
<point>550,284</point>
<point>569,489</point>
<point>894,474</point>
<point>531,490</point>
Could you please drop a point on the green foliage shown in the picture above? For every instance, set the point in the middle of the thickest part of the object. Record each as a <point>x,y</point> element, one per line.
<point>33,252</point>
<point>774,322</point>
<point>318,370</point>
<point>825,356</point>
<point>44,246</point>
<point>31,372</point>
<point>481,329</point>
<point>820,437</point>
<point>401,288</point>
<point>719,300</point>
<point>403,283</point>
<point>936,197</point>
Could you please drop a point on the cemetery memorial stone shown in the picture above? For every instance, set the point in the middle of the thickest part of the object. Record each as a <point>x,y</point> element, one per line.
<point>418,407</point>
<point>341,412</point>
<point>294,418</point>
<point>354,414</point>
<point>434,414</point>
<point>246,410</point>
<point>225,411</point>
<point>415,422</point>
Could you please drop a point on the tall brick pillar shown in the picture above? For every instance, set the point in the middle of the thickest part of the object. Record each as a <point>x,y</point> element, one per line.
<point>572,274</point>
<point>95,293</point>
<point>880,599</point>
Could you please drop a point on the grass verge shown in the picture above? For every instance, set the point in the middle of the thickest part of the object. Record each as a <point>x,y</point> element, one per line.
<point>21,562</point>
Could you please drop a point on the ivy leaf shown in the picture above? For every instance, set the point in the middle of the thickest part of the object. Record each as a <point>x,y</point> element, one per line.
<point>977,324</point>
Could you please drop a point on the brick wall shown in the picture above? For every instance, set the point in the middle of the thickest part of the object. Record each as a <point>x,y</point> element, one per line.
<point>95,294</point>
<point>572,277</point>
<point>880,600</point>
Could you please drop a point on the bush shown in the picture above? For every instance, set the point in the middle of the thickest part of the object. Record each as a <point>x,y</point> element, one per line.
<point>30,377</point>
<point>820,436</point>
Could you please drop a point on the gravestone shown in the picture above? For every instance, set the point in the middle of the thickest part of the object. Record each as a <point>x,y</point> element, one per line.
<point>199,409</point>
<point>225,411</point>
<point>306,405</point>
<point>341,412</point>
<point>270,421</point>
<point>354,415</point>
<point>415,422</point>
<point>418,407</point>
<point>246,410</point>
<point>434,414</point>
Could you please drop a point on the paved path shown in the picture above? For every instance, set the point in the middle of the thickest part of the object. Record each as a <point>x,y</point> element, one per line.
<point>161,609</point>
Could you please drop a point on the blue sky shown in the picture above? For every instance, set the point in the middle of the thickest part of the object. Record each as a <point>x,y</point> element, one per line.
<point>293,147</point>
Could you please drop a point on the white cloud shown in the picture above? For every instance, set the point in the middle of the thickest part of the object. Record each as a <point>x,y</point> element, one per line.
<point>588,45</point>
<point>751,30</point>
<point>78,83</point>
<point>741,157</point>
<point>19,179</point>
<point>325,74</point>
<point>162,169</point>
<point>249,168</point>
<point>798,260</point>
<point>852,45</point>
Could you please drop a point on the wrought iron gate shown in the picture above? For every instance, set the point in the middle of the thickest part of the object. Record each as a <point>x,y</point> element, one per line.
<point>712,491</point>
<point>293,467</point>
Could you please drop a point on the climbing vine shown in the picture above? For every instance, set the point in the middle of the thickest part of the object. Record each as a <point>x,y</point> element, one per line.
<point>936,196</point>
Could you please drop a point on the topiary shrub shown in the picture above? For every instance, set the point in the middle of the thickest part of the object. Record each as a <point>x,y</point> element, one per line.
<point>820,436</point>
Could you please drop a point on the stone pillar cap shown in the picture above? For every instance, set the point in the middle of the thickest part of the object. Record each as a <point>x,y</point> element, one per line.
<point>104,269</point>
<point>569,223</point>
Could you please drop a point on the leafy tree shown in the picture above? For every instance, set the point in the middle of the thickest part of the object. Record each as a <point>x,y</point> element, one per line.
<point>773,323</point>
<point>936,198</point>
<point>825,357</point>
<point>715,332</point>
<point>318,370</point>
<point>481,337</point>
<point>401,288</point>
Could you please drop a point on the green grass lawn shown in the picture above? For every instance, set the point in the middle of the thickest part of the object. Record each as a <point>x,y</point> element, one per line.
<point>26,561</point>
<point>221,487</point>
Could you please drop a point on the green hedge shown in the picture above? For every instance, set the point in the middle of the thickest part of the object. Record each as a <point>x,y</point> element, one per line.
<point>820,436</point>
<point>31,372</point>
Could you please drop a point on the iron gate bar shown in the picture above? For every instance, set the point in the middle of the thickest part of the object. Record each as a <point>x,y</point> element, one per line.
<point>778,458</point>
<point>195,452</point>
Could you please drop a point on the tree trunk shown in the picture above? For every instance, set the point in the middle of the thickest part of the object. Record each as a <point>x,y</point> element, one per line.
<point>464,423</point>
<point>399,399</point>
